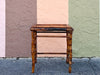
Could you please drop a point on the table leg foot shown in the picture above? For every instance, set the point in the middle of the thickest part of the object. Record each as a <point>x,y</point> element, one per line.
<point>70,69</point>
<point>33,67</point>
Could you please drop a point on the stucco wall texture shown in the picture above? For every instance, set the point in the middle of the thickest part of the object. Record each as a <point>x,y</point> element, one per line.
<point>20,16</point>
<point>52,12</point>
<point>83,16</point>
<point>2,28</point>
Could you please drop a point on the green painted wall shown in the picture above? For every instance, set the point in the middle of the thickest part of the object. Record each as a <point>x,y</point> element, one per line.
<point>84,18</point>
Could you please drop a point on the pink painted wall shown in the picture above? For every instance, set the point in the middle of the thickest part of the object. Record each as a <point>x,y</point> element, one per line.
<point>2,28</point>
<point>52,12</point>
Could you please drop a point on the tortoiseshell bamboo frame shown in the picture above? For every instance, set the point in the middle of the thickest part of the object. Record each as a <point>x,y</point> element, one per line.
<point>34,53</point>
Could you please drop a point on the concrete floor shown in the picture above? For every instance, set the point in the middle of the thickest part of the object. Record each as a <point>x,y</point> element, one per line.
<point>49,66</point>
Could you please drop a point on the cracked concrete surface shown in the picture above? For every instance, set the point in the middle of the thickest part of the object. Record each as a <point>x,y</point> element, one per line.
<point>49,66</point>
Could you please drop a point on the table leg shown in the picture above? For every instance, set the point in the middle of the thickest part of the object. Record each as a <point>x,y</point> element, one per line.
<point>67,58</point>
<point>69,44</point>
<point>36,47</point>
<point>33,49</point>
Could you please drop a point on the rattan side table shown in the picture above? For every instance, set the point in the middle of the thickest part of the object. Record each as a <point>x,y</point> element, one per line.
<point>51,28</point>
